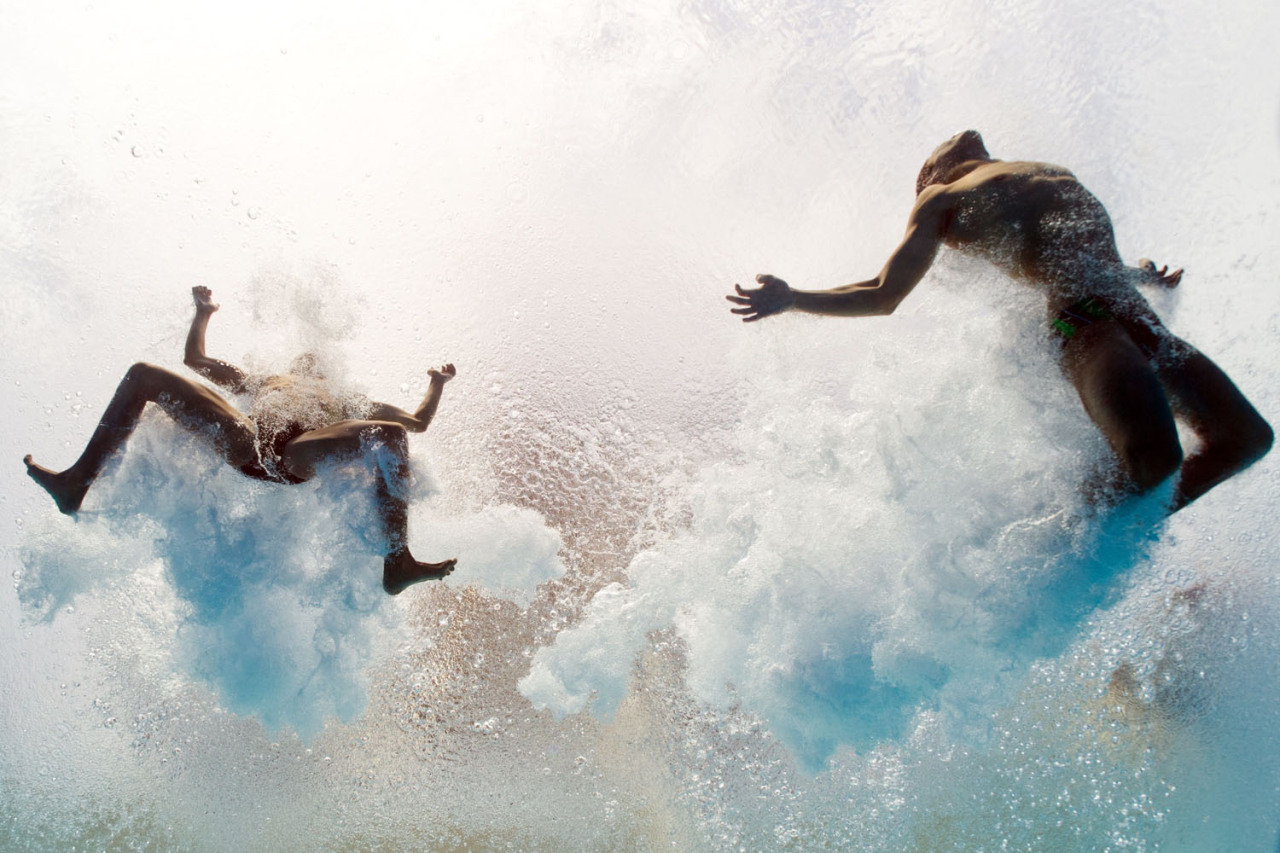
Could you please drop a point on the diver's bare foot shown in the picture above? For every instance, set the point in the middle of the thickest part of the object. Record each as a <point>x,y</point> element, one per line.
<point>400,571</point>
<point>203,298</point>
<point>67,492</point>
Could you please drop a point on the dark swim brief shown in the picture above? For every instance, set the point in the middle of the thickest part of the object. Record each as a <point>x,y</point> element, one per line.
<point>1089,310</point>
<point>1081,313</point>
<point>258,470</point>
<point>269,465</point>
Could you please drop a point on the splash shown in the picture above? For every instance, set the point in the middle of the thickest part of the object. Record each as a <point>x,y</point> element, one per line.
<point>718,557</point>
<point>270,595</point>
<point>864,555</point>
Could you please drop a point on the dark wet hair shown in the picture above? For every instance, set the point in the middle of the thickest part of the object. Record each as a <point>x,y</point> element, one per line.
<point>966,145</point>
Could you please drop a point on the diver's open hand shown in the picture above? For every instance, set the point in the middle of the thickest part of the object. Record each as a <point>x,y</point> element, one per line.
<point>203,297</point>
<point>772,297</point>
<point>1159,277</point>
<point>443,374</point>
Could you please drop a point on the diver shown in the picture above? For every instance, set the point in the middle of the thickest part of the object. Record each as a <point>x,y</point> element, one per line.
<point>1036,223</point>
<point>295,424</point>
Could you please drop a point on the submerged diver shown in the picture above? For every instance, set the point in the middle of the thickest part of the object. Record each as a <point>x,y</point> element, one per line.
<point>294,425</point>
<point>1035,222</point>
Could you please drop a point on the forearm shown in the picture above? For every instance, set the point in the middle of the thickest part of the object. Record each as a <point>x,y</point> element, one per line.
<point>418,420</point>
<point>863,299</point>
<point>219,372</point>
<point>901,273</point>
<point>194,352</point>
<point>430,402</point>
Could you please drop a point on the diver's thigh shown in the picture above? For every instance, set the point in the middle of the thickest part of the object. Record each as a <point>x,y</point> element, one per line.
<point>170,389</point>
<point>343,440</point>
<point>195,407</point>
<point>1120,389</point>
<point>338,441</point>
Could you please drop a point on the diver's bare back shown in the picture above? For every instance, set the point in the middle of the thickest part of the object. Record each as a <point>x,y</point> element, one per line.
<point>1035,222</point>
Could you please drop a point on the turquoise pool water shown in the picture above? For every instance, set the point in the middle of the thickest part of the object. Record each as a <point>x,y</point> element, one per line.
<point>806,584</point>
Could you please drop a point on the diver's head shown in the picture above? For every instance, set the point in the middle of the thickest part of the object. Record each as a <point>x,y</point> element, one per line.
<point>961,148</point>
<point>307,364</point>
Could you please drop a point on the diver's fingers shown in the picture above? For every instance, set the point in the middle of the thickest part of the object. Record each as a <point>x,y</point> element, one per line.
<point>739,300</point>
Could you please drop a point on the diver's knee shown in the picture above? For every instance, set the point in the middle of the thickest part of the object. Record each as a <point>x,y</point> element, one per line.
<point>1249,442</point>
<point>1259,439</point>
<point>142,373</point>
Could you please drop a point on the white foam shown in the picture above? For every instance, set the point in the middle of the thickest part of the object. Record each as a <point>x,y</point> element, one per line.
<point>807,539</point>
<point>869,553</point>
<point>273,594</point>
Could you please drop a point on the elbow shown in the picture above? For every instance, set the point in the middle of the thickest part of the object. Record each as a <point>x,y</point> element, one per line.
<point>886,303</point>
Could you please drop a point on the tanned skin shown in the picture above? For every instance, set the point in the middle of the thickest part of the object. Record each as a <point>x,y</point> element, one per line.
<point>235,437</point>
<point>1038,224</point>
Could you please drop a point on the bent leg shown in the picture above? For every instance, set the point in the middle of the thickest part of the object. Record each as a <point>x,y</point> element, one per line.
<point>1123,395</point>
<point>192,405</point>
<point>352,440</point>
<point>1233,435</point>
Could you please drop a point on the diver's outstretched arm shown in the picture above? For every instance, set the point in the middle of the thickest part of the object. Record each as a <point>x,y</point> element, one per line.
<point>874,297</point>
<point>219,372</point>
<point>421,418</point>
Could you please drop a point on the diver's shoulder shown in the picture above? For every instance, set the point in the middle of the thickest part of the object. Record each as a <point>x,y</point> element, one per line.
<point>1000,170</point>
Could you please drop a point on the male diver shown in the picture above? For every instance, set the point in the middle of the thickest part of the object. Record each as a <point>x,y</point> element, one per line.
<point>1035,222</point>
<point>295,423</point>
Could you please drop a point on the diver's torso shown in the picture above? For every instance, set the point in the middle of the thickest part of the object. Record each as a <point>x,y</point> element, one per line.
<point>294,404</point>
<point>286,406</point>
<point>1037,223</point>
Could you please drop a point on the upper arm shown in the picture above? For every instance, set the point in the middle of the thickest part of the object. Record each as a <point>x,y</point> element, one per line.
<point>911,260</point>
<point>387,412</point>
<point>220,373</point>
